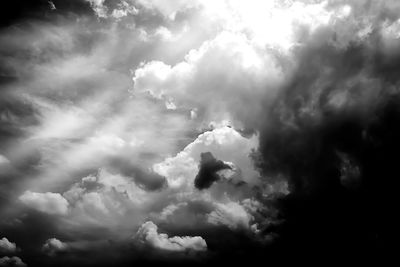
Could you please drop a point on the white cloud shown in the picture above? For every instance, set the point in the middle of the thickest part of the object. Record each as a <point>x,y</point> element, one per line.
<point>6,246</point>
<point>124,9</point>
<point>53,246</point>
<point>61,122</point>
<point>148,234</point>
<point>106,142</point>
<point>169,210</point>
<point>231,214</point>
<point>119,13</point>
<point>224,143</point>
<point>168,9</point>
<point>51,203</point>
<point>106,199</point>
<point>99,8</point>
<point>200,81</point>
<point>11,262</point>
<point>252,40</point>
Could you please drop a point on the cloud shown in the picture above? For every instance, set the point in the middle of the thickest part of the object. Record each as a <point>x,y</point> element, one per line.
<point>4,160</point>
<point>189,212</point>
<point>349,172</point>
<point>328,133</point>
<point>170,210</point>
<point>52,6</point>
<point>98,7</point>
<point>53,246</point>
<point>191,83</point>
<point>5,165</point>
<point>148,234</point>
<point>13,261</point>
<point>168,10</point>
<point>304,90</point>
<point>7,246</point>
<point>108,199</point>
<point>208,170</point>
<point>231,214</point>
<point>225,143</point>
<point>51,203</point>
<point>124,8</point>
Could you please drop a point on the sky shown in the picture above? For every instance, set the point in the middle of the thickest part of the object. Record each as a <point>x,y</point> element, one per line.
<point>198,132</point>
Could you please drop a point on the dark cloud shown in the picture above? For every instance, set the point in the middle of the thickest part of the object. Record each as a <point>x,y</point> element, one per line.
<point>208,170</point>
<point>11,261</point>
<point>17,11</point>
<point>333,132</point>
<point>15,115</point>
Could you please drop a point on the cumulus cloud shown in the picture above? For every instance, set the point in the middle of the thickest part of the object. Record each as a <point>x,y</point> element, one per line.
<point>6,246</point>
<point>108,199</point>
<point>224,143</point>
<point>98,7</point>
<point>192,82</point>
<point>51,203</point>
<point>231,215</point>
<point>53,246</point>
<point>123,9</point>
<point>148,234</point>
<point>11,261</point>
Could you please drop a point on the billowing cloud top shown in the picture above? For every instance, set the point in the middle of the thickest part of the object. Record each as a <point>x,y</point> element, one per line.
<point>205,131</point>
<point>148,233</point>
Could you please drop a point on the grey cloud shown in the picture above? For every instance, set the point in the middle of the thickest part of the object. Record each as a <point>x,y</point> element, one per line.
<point>148,234</point>
<point>51,203</point>
<point>7,247</point>
<point>53,246</point>
<point>11,261</point>
<point>4,160</point>
<point>231,215</point>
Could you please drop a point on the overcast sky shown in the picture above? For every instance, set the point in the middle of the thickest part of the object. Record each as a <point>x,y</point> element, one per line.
<point>203,131</point>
